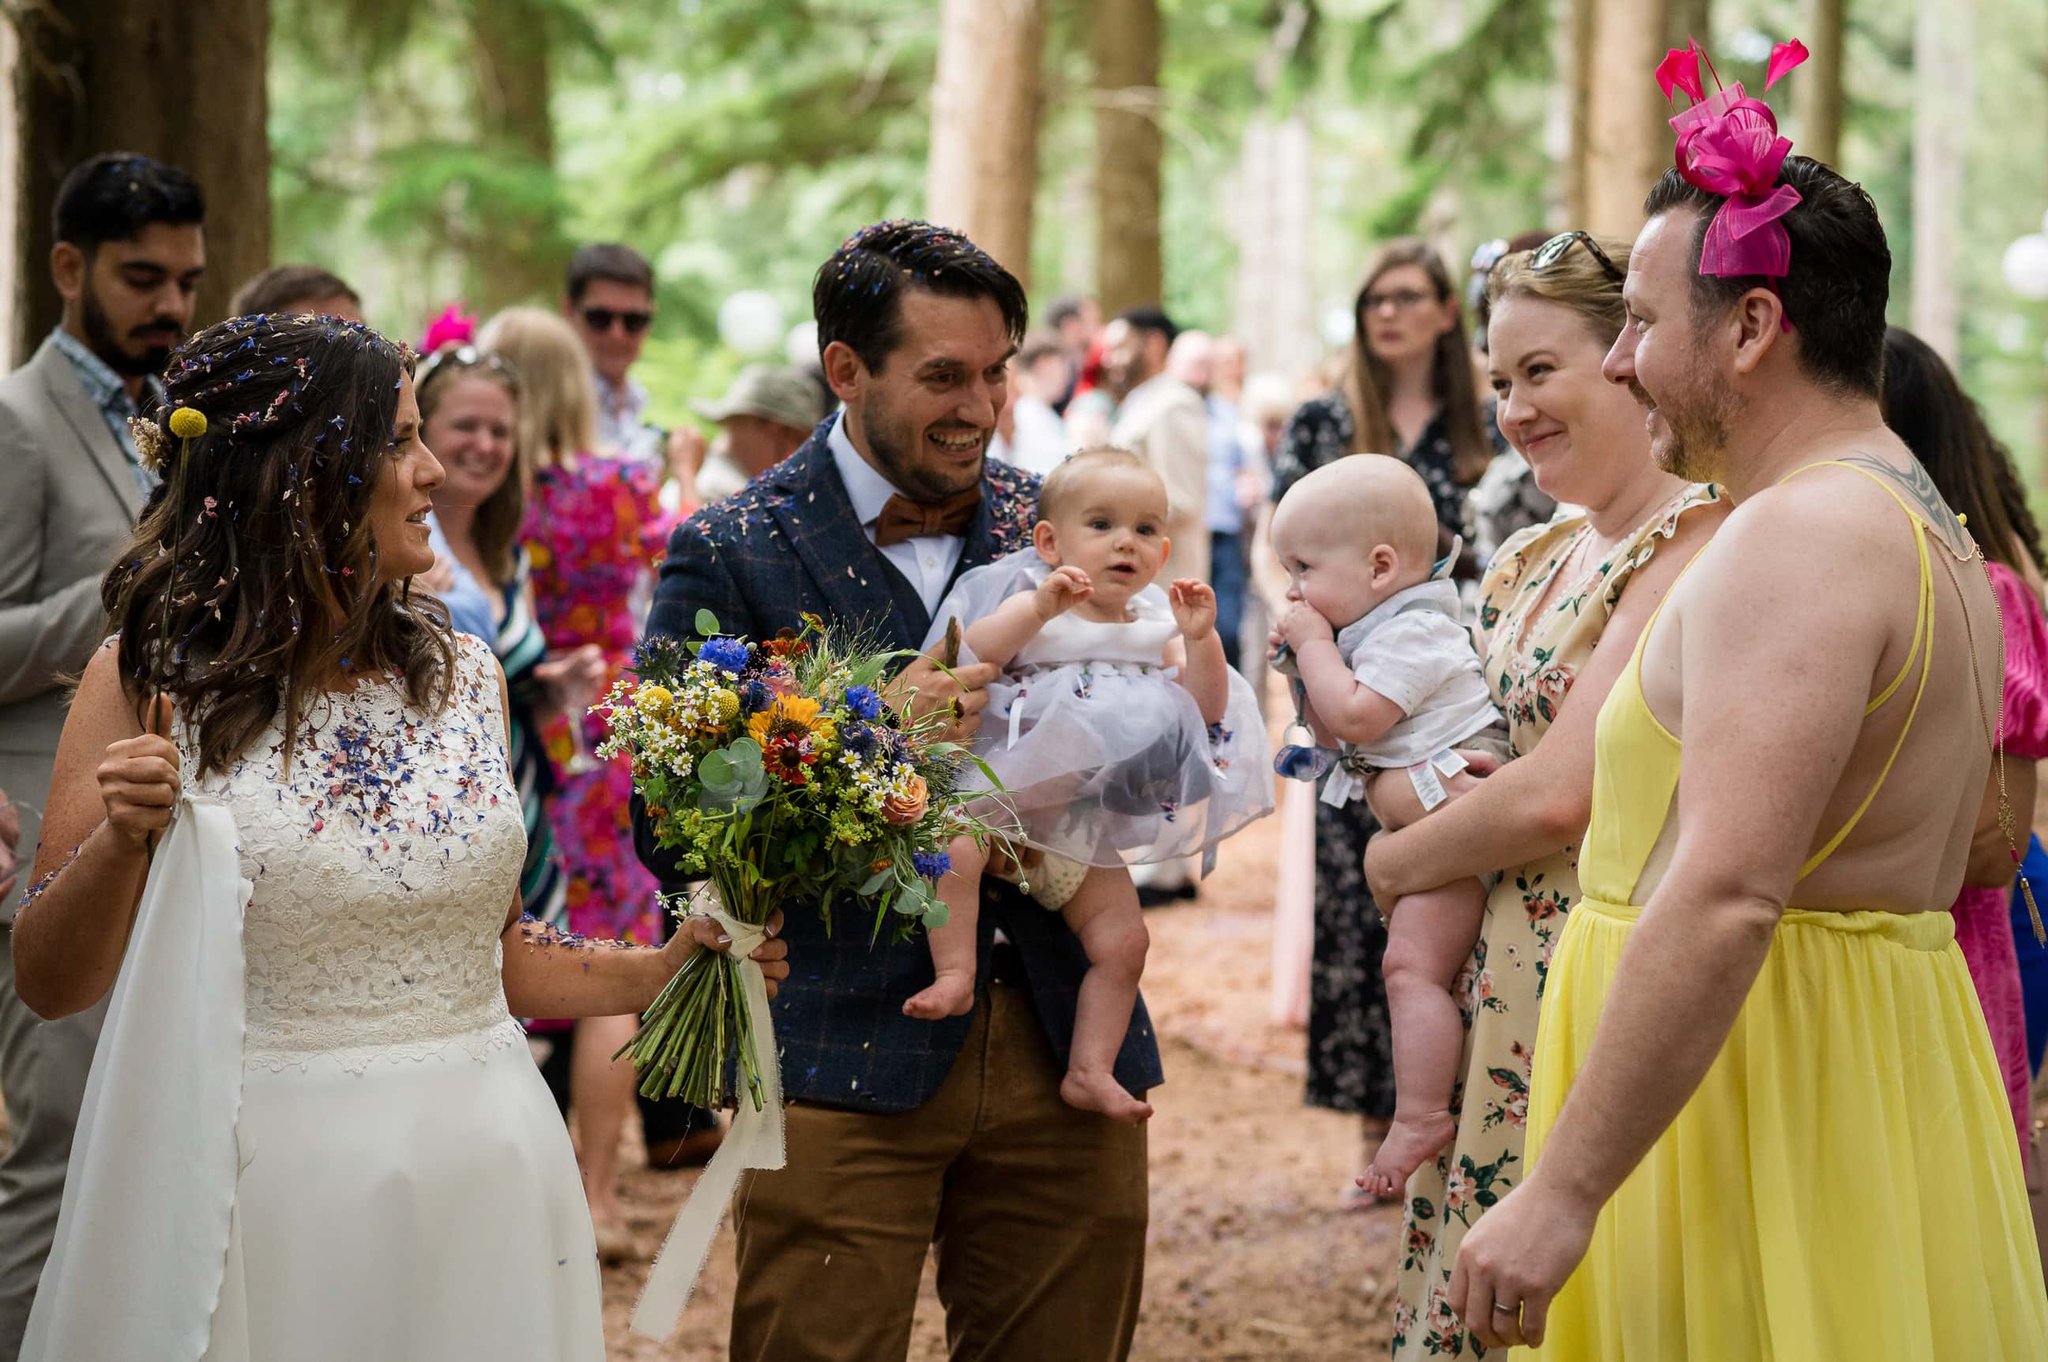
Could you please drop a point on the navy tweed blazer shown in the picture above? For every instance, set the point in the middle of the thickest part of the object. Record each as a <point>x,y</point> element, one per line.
<point>788,544</point>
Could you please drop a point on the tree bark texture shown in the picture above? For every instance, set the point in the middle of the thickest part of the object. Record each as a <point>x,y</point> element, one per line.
<point>183,82</point>
<point>520,249</point>
<point>1818,101</point>
<point>982,175</point>
<point>1620,128</point>
<point>1123,40</point>
<point>1944,89</point>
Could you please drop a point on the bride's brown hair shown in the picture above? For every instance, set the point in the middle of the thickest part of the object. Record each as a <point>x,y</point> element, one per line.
<point>271,589</point>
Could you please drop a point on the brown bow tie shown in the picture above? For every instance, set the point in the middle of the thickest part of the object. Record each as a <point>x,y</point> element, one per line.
<point>902,518</point>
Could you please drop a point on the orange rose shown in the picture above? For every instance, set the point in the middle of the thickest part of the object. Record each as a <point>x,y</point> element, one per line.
<point>909,806</point>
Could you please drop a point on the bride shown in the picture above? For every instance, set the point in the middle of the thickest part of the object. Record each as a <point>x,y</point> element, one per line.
<point>384,1174</point>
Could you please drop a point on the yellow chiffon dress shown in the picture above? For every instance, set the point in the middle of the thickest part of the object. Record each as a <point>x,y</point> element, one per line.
<point>1844,1183</point>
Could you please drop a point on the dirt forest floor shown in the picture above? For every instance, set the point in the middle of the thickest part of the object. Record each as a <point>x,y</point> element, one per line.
<point>1250,1261</point>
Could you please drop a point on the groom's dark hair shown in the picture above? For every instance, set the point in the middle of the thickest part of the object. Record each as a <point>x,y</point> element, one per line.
<point>1835,295</point>
<point>858,294</point>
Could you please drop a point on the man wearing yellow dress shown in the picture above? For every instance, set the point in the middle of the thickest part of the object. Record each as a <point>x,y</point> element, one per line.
<point>1765,1120</point>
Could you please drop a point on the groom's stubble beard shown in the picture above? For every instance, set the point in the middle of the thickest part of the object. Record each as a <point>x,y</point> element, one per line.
<point>893,442</point>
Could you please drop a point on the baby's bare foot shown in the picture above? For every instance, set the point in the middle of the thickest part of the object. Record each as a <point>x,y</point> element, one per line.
<point>950,995</point>
<point>1099,1092</point>
<point>1410,1141</point>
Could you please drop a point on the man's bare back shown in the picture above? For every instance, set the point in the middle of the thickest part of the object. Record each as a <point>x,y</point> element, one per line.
<point>1799,615</point>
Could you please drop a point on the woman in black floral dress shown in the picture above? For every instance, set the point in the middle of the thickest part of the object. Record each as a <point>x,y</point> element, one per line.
<point>1408,390</point>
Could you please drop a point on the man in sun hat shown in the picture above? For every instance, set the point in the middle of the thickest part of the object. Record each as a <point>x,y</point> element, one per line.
<point>764,417</point>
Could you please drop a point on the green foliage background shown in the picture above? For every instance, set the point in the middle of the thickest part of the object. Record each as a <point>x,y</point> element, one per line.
<point>737,141</point>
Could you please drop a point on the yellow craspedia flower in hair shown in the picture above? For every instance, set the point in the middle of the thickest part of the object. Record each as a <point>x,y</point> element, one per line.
<point>188,424</point>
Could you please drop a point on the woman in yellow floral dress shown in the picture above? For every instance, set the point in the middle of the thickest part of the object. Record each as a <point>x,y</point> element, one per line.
<point>1562,605</point>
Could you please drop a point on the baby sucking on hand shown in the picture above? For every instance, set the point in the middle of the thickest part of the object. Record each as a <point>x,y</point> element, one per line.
<point>1389,671</point>
<point>1081,643</point>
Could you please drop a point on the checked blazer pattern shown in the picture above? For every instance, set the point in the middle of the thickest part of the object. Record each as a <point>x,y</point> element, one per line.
<point>788,544</point>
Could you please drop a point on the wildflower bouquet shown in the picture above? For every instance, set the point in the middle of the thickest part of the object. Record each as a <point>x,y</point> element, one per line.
<point>776,770</point>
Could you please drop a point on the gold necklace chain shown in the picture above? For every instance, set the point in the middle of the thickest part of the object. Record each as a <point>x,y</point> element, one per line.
<point>2007,822</point>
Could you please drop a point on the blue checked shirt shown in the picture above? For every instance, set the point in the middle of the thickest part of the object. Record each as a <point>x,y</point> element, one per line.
<point>105,389</point>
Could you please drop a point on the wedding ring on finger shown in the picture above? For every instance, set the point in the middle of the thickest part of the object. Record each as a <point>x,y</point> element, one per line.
<point>1514,1309</point>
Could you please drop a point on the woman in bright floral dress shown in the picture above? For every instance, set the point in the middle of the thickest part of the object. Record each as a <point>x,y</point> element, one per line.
<point>594,526</point>
<point>1561,607</point>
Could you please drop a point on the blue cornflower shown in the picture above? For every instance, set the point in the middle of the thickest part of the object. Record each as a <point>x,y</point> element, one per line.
<point>931,864</point>
<point>864,703</point>
<point>756,696</point>
<point>858,739</point>
<point>726,654</point>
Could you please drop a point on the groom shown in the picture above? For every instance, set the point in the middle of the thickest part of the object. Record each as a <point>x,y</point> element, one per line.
<point>908,1134</point>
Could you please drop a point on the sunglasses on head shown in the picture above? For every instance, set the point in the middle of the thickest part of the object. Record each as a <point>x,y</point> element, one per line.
<point>1553,250</point>
<point>453,357</point>
<point>601,319</point>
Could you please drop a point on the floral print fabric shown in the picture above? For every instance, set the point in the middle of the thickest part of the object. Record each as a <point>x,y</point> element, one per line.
<point>1533,648</point>
<point>594,531</point>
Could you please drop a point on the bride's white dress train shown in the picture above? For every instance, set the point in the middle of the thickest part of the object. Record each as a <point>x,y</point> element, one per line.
<point>404,1186</point>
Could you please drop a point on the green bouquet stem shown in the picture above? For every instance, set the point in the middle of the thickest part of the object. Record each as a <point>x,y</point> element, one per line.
<point>698,1029</point>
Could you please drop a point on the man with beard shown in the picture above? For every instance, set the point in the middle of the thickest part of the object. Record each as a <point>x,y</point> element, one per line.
<point>907,1134</point>
<point>1765,1120</point>
<point>127,261</point>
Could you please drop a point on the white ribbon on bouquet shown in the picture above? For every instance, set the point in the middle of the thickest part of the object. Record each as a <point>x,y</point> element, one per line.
<point>754,1141</point>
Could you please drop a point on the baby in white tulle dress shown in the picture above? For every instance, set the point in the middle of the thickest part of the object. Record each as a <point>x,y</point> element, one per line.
<point>1118,733</point>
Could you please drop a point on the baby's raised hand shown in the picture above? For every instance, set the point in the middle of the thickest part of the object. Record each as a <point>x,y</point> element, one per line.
<point>1301,624</point>
<point>1194,608</point>
<point>1063,589</point>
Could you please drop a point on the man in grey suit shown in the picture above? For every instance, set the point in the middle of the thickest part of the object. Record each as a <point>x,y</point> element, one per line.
<point>128,258</point>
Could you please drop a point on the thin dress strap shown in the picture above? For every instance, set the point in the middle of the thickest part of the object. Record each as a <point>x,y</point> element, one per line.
<point>1923,649</point>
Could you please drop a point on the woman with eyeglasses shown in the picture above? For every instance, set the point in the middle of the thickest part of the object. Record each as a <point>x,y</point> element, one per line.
<point>1561,607</point>
<point>1407,390</point>
<point>593,525</point>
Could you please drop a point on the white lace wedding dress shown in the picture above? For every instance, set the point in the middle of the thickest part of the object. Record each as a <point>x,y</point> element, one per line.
<point>406,1191</point>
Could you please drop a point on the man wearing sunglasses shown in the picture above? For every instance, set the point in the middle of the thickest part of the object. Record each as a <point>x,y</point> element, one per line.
<point>608,296</point>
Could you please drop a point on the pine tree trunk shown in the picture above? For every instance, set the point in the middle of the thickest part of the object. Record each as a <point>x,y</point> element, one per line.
<point>1580,24</point>
<point>181,82</point>
<point>1620,130</point>
<point>1943,78</point>
<point>982,175</point>
<point>519,250</point>
<point>1818,102</point>
<point>1123,40</point>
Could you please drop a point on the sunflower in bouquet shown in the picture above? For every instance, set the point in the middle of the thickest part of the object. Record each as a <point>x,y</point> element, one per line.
<point>775,770</point>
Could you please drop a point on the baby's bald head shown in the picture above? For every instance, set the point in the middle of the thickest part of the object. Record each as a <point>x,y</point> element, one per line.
<point>1355,531</point>
<point>1365,499</point>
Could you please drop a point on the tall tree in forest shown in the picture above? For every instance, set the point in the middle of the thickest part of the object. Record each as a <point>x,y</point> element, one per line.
<point>1818,103</point>
<point>1944,89</point>
<point>509,41</point>
<point>485,190</point>
<point>1124,46</point>
<point>986,101</point>
<point>1620,139</point>
<point>182,82</point>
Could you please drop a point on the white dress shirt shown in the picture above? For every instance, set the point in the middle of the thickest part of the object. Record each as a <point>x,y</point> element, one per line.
<point>927,561</point>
